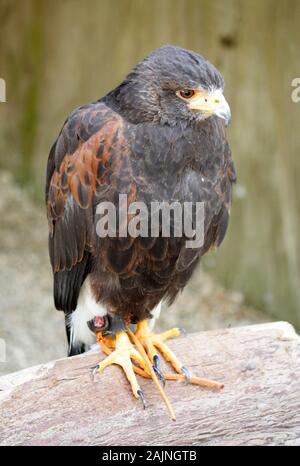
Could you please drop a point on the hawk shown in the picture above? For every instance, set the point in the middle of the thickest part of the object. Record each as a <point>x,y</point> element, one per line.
<point>160,136</point>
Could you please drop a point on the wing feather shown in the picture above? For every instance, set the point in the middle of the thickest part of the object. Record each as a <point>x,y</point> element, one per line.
<point>89,148</point>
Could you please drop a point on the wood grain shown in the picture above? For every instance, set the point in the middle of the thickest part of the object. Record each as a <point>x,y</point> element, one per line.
<point>59,404</point>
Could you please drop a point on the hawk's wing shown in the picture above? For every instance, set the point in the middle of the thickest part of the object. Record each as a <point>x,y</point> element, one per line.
<point>90,148</point>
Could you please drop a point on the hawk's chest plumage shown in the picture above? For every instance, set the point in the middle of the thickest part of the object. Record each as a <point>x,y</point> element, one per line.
<point>96,157</point>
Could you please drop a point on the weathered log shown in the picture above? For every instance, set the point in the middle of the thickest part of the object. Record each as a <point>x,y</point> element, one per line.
<point>59,404</point>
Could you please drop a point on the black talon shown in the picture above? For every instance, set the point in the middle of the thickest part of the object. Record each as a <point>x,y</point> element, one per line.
<point>182,331</point>
<point>94,371</point>
<point>187,374</point>
<point>157,370</point>
<point>142,397</point>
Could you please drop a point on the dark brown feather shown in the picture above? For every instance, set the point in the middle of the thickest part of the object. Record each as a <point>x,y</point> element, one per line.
<point>99,155</point>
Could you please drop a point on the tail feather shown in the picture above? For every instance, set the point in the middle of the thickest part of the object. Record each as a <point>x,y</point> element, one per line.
<point>73,350</point>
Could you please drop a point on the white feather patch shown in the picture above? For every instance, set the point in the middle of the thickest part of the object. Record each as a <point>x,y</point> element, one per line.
<point>155,315</point>
<point>87,308</point>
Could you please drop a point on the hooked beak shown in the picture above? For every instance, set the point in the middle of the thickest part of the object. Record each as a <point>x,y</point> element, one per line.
<point>212,103</point>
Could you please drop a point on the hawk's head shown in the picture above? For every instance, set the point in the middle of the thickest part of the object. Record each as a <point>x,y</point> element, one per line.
<point>173,84</point>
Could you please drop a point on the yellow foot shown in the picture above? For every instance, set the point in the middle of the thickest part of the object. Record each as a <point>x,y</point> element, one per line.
<point>141,350</point>
<point>122,355</point>
<point>153,342</point>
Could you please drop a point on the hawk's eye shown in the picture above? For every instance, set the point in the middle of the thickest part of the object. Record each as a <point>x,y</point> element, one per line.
<point>187,93</point>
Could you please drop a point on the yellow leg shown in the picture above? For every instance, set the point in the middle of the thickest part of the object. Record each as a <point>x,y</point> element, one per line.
<point>122,355</point>
<point>152,342</point>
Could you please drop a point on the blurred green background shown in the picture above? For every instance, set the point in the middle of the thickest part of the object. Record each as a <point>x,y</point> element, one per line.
<point>56,55</point>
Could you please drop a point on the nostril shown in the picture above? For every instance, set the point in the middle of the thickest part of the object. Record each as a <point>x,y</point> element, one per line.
<point>217,101</point>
